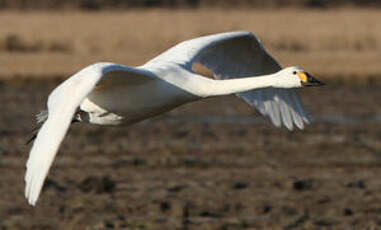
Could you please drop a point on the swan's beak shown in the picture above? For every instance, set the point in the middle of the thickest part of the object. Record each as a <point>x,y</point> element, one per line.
<point>308,80</point>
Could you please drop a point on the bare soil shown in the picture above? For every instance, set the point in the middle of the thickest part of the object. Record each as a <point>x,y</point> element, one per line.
<point>167,174</point>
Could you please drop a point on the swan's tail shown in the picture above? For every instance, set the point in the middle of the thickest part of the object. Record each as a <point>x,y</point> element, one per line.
<point>42,116</point>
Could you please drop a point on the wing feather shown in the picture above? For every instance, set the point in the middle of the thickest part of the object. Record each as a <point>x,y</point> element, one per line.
<point>44,149</point>
<point>296,117</point>
<point>299,108</point>
<point>285,113</point>
<point>275,108</point>
<point>62,105</point>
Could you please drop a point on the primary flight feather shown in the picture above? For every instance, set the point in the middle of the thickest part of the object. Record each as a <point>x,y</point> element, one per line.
<point>112,94</point>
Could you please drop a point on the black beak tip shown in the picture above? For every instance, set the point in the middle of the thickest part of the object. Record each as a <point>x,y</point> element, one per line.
<point>313,81</point>
<point>316,82</point>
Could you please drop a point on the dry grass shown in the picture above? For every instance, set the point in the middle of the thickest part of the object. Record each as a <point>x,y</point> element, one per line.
<point>342,43</point>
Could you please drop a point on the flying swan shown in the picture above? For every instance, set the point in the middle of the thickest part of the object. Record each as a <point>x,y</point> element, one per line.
<point>113,94</point>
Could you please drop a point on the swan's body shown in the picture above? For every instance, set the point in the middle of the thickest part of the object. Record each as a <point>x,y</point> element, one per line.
<point>112,94</point>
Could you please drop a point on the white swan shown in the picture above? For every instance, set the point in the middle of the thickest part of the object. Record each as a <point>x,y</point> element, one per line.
<point>112,94</point>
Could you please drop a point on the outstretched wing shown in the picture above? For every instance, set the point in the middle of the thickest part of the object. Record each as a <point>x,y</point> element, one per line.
<point>62,105</point>
<point>237,55</point>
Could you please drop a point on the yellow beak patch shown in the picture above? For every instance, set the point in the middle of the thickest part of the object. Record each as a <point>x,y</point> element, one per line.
<point>303,77</point>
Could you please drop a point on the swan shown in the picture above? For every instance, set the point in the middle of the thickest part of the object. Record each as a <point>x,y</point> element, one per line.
<point>112,94</point>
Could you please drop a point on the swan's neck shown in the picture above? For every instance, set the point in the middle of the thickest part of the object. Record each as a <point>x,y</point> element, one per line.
<point>231,86</point>
<point>201,86</point>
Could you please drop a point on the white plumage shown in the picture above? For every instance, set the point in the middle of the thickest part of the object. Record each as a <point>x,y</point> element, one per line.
<point>112,94</point>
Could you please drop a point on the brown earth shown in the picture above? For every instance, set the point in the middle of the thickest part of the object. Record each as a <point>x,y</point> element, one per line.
<point>172,174</point>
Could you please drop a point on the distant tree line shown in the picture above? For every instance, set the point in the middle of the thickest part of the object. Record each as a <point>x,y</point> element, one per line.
<point>122,4</point>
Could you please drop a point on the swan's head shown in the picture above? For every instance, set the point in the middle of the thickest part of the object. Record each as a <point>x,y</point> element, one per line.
<point>295,77</point>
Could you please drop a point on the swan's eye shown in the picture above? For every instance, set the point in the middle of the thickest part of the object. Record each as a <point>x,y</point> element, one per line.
<point>294,72</point>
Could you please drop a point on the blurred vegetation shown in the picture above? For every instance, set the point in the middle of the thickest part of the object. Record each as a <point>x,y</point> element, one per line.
<point>342,42</point>
<point>118,4</point>
<point>14,43</point>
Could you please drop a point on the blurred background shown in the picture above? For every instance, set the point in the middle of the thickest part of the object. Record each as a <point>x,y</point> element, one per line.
<point>213,164</point>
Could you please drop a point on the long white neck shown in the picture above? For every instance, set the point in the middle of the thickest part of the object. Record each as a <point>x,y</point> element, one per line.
<point>238,85</point>
<point>205,87</point>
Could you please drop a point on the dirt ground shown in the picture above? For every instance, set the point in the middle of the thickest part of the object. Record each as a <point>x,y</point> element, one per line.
<point>169,173</point>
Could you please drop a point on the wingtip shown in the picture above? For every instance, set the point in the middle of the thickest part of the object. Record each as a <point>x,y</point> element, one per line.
<point>300,125</point>
<point>32,188</point>
<point>290,126</point>
<point>30,196</point>
<point>32,202</point>
<point>308,121</point>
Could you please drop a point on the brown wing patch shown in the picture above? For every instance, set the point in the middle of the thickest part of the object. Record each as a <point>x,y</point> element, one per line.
<point>202,70</point>
<point>100,85</point>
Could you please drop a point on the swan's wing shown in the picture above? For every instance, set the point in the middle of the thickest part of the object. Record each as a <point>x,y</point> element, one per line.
<point>62,105</point>
<point>236,55</point>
